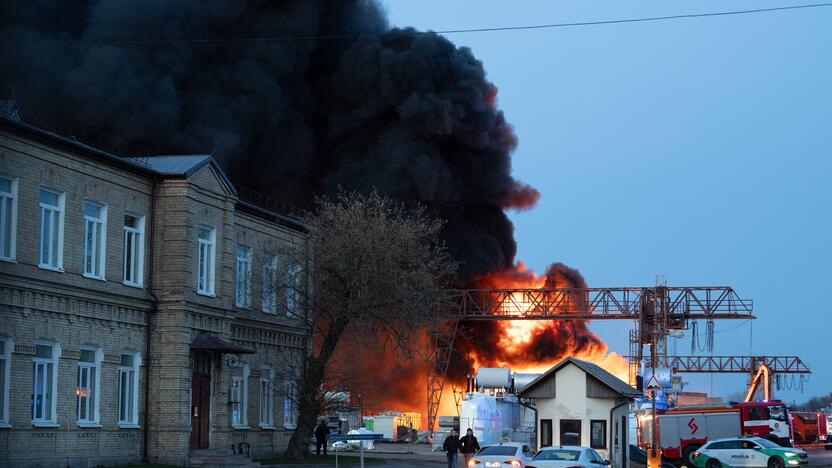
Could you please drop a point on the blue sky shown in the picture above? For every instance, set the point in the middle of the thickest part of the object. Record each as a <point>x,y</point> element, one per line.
<point>698,149</point>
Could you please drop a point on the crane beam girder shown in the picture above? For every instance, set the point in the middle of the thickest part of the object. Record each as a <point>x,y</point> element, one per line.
<point>709,302</point>
<point>733,364</point>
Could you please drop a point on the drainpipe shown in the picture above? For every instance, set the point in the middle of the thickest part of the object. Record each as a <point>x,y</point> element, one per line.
<point>154,307</point>
<point>536,421</point>
<point>612,425</point>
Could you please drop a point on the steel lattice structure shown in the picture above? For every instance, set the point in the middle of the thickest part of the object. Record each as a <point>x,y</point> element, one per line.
<point>655,310</point>
<point>733,364</point>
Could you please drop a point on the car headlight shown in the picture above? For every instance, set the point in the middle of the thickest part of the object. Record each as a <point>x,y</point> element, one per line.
<point>791,454</point>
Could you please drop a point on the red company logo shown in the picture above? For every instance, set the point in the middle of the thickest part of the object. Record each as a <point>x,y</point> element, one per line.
<point>693,427</point>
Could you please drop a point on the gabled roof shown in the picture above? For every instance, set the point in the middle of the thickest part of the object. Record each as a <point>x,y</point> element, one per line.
<point>611,381</point>
<point>184,166</point>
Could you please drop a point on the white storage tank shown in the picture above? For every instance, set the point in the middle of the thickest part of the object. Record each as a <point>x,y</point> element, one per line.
<point>493,377</point>
<point>481,413</point>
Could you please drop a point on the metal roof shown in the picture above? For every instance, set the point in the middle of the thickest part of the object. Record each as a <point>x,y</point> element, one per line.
<point>611,381</point>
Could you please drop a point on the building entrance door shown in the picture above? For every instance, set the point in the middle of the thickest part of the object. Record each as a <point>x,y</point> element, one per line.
<point>200,399</point>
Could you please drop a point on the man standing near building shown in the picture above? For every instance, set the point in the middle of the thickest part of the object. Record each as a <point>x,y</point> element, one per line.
<point>468,445</point>
<point>451,447</point>
<point>320,436</point>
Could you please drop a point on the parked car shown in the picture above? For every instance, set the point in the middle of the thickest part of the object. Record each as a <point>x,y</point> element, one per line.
<point>504,455</point>
<point>747,451</point>
<point>571,456</point>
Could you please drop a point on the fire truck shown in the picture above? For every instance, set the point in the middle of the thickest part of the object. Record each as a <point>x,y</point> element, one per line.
<point>683,430</point>
<point>809,427</point>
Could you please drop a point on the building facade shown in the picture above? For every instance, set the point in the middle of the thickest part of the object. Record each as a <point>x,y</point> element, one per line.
<point>140,315</point>
<point>578,403</point>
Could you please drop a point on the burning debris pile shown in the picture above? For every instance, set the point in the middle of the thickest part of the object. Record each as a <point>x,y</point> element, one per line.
<point>297,98</point>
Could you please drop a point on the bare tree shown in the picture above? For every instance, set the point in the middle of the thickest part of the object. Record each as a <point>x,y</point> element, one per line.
<point>373,269</point>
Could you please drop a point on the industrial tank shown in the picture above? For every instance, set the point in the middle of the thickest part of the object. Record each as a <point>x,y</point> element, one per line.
<point>481,413</point>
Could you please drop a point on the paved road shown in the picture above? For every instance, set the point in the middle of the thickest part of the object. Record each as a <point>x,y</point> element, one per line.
<point>820,457</point>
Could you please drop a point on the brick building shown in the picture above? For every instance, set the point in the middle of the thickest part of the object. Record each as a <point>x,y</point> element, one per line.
<point>136,316</point>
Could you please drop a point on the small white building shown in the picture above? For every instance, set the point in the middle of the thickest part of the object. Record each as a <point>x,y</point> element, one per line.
<point>578,403</point>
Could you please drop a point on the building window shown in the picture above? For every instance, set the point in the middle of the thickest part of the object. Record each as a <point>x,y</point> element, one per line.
<point>133,250</point>
<point>45,383</point>
<point>293,289</point>
<point>95,238</point>
<point>598,433</point>
<point>206,240</point>
<point>243,294</point>
<point>128,386</point>
<point>238,398</point>
<point>51,243</point>
<point>6,346</point>
<point>290,405</point>
<point>8,217</point>
<point>266,399</point>
<point>270,284</point>
<point>88,383</point>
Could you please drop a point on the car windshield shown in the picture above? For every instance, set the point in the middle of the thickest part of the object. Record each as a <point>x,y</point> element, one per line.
<point>765,443</point>
<point>498,450</point>
<point>558,454</point>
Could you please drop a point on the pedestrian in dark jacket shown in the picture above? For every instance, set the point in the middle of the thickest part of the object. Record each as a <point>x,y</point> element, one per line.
<point>321,431</point>
<point>451,447</point>
<point>468,445</point>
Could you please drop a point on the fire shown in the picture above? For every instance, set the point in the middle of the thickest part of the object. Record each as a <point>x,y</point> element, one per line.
<point>535,346</point>
<point>524,346</point>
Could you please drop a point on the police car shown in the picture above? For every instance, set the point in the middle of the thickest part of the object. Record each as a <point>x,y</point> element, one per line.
<point>747,451</point>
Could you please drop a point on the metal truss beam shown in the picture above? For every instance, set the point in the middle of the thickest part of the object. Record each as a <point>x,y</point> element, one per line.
<point>734,364</point>
<point>683,303</point>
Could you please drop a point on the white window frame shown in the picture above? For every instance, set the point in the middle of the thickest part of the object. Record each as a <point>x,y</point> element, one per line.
<point>293,289</point>
<point>242,295</point>
<point>99,240</point>
<point>52,420</point>
<point>290,404</point>
<point>137,254</point>
<point>242,380</point>
<point>206,261</point>
<point>269,304</point>
<point>266,398</point>
<point>56,214</point>
<point>91,404</point>
<point>8,201</point>
<point>124,375</point>
<point>6,358</point>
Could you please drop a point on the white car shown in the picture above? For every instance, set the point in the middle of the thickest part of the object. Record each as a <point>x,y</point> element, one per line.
<point>568,457</point>
<point>505,455</point>
<point>747,451</point>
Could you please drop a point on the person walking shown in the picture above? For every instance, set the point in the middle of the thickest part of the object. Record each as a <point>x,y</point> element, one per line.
<point>451,447</point>
<point>321,431</point>
<point>468,445</point>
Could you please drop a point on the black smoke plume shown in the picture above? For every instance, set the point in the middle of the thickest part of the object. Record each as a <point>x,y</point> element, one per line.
<point>285,111</point>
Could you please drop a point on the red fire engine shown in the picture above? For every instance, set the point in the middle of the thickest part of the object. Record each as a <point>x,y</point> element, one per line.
<point>683,430</point>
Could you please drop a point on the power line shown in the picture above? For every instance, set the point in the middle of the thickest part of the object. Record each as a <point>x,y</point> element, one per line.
<point>455,31</point>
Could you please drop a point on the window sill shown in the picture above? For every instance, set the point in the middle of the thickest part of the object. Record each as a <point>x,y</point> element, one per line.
<point>93,277</point>
<point>5,425</point>
<point>89,425</point>
<point>267,427</point>
<point>9,260</point>
<point>237,427</point>
<point>206,294</point>
<point>128,426</point>
<point>290,426</point>
<point>50,268</point>
<point>132,285</point>
<point>45,424</point>
<point>270,312</point>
